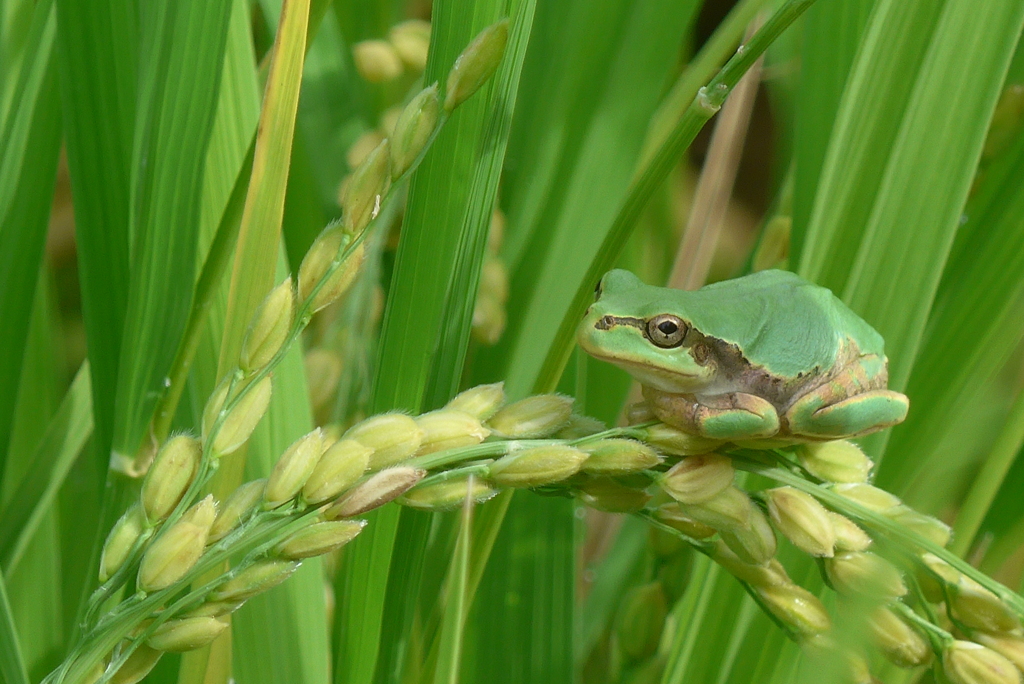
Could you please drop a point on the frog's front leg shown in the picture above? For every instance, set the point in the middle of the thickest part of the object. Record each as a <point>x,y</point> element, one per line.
<point>728,417</point>
<point>852,403</point>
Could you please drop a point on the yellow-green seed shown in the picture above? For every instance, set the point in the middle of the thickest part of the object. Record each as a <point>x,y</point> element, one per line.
<point>537,466</point>
<point>797,608</point>
<point>965,662</point>
<point>339,468</point>
<point>449,429</point>
<point>642,621</point>
<point>901,644</point>
<point>758,576</point>
<point>672,515</point>
<point>978,608</point>
<point>178,548</point>
<point>1010,646</point>
<point>215,609</point>
<point>330,245</point>
<point>241,420</point>
<point>482,401</point>
<point>413,129</point>
<point>377,61</point>
<point>538,416</point>
<point>139,664</point>
<point>447,495</point>
<point>236,509</point>
<point>802,520</point>
<point>837,461</point>
<point>323,372</point>
<point>186,634</point>
<point>865,574</point>
<point>172,472</point>
<point>932,529</point>
<point>868,496</point>
<point>729,509</point>
<point>697,479</point>
<point>120,541</point>
<point>257,578</point>
<point>319,538</point>
<point>393,437</point>
<point>476,64</point>
<point>670,440</point>
<point>616,456</point>
<point>366,187</point>
<point>754,542</point>
<point>269,328</point>
<point>411,39</point>
<point>380,488</point>
<point>293,469</point>
<point>580,426</point>
<point>849,536</point>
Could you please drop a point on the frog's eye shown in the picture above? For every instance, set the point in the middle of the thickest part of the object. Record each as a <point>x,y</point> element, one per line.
<point>666,330</point>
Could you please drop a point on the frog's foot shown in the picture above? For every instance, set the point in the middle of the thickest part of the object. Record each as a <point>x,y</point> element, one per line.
<point>728,417</point>
<point>815,416</point>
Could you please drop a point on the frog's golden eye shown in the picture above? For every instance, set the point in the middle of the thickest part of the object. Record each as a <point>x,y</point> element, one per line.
<point>666,330</point>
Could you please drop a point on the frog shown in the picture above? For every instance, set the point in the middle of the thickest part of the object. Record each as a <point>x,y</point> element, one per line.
<point>766,359</point>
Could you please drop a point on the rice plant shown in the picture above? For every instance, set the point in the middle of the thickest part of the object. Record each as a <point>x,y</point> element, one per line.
<point>300,382</point>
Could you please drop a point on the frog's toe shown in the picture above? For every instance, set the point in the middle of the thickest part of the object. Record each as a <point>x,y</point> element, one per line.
<point>859,415</point>
<point>736,416</point>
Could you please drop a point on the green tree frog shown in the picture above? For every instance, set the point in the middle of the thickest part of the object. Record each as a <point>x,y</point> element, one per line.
<point>764,359</point>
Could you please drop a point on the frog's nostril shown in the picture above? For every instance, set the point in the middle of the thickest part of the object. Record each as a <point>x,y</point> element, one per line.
<point>605,323</point>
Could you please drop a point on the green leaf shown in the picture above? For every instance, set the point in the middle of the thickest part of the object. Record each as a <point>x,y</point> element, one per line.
<point>58,449</point>
<point>832,34</point>
<point>444,233</point>
<point>182,47</point>
<point>29,147</point>
<point>12,667</point>
<point>981,291</point>
<point>896,273</point>
<point>97,56</point>
<point>456,601</point>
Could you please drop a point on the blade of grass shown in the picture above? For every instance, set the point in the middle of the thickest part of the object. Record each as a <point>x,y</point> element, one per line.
<point>34,581</point>
<point>866,124</point>
<point>648,180</point>
<point>432,291</point>
<point>456,599</point>
<point>832,35</point>
<point>59,448</point>
<point>12,667</point>
<point>897,271</point>
<point>183,48</point>
<point>97,56</point>
<point>986,484</point>
<point>29,147</point>
<point>980,291</point>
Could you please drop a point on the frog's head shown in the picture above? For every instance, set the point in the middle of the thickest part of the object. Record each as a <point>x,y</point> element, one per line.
<point>645,331</point>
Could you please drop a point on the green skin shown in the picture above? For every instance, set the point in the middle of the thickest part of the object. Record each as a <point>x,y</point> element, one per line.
<point>763,360</point>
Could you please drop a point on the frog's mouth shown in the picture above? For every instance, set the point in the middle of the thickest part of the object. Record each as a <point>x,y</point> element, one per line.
<point>646,371</point>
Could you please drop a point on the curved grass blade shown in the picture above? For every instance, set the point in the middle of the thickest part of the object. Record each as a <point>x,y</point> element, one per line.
<point>29,147</point>
<point>183,49</point>
<point>12,667</point>
<point>60,447</point>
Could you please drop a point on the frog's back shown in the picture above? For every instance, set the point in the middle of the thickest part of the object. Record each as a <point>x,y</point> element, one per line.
<point>782,322</point>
